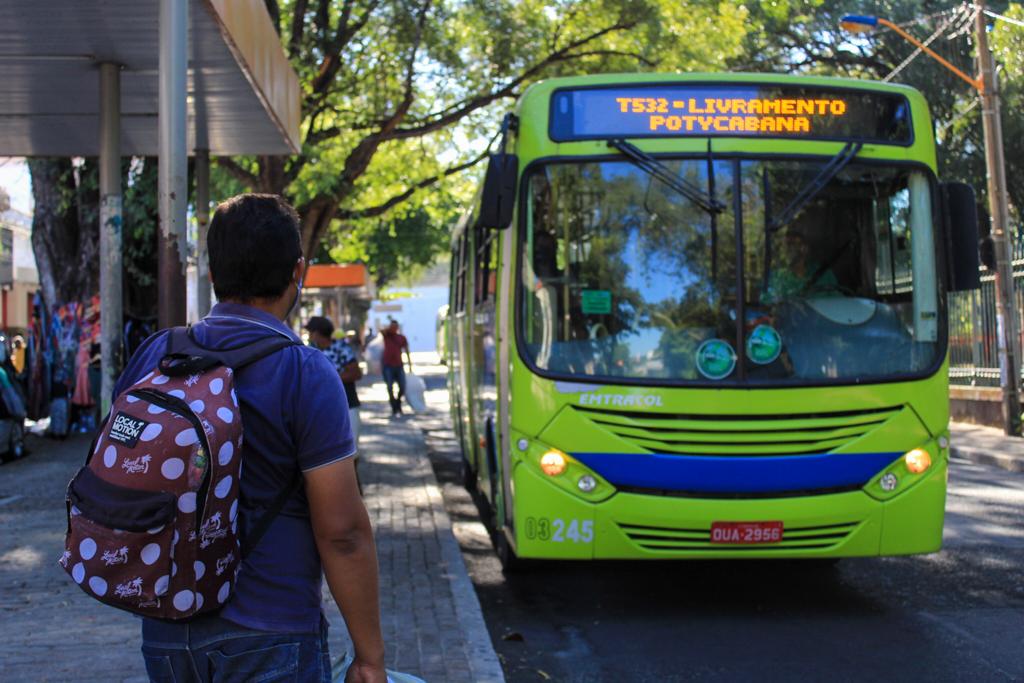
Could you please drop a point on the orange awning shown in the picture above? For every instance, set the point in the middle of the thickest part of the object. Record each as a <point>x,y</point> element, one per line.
<point>334,275</point>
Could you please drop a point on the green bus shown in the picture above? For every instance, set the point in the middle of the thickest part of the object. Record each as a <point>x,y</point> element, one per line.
<point>704,316</point>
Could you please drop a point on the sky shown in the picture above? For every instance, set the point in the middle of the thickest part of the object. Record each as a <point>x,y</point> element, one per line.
<point>15,179</point>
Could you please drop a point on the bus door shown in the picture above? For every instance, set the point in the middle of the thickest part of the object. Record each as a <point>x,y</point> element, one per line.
<point>460,364</point>
<point>484,362</point>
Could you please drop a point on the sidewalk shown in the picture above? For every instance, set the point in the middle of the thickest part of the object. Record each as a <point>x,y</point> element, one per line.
<point>987,446</point>
<point>433,626</point>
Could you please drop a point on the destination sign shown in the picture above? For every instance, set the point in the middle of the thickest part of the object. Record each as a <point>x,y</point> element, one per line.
<point>703,110</point>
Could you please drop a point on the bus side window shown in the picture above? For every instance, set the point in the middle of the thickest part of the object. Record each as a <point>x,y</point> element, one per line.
<point>460,278</point>
<point>485,283</point>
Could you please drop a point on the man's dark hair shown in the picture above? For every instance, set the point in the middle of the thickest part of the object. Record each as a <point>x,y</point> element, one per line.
<point>254,244</point>
<point>320,324</point>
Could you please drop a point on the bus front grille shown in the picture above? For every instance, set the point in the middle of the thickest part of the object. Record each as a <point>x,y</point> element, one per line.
<point>668,539</point>
<point>749,435</point>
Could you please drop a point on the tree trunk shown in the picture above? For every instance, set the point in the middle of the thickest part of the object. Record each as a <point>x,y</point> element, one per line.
<point>316,217</point>
<point>271,179</point>
<point>65,230</point>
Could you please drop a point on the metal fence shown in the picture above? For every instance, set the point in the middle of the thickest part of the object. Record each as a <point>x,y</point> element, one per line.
<point>973,339</point>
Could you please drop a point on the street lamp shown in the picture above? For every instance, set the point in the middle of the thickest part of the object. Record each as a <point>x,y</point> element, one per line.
<point>987,89</point>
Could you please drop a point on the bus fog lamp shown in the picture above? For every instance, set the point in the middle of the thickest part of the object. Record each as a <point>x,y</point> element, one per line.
<point>943,443</point>
<point>553,463</point>
<point>888,482</point>
<point>586,483</point>
<point>522,444</point>
<point>918,460</point>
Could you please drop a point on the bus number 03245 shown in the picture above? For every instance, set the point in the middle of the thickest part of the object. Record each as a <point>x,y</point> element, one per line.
<point>560,530</point>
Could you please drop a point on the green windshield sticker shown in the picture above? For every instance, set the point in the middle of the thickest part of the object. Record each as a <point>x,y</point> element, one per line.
<point>716,359</point>
<point>764,345</point>
<point>596,301</point>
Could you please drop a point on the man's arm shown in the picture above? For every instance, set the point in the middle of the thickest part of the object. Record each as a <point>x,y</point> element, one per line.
<point>408,356</point>
<point>344,539</point>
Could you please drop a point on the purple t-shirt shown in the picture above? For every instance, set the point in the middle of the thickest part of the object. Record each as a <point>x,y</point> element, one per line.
<point>294,415</point>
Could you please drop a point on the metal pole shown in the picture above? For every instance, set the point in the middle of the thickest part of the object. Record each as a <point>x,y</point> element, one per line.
<point>173,162</point>
<point>111,317</point>
<point>1006,319</point>
<point>203,219</point>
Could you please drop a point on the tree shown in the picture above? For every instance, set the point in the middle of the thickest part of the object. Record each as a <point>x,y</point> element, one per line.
<point>394,248</point>
<point>65,228</point>
<point>392,87</point>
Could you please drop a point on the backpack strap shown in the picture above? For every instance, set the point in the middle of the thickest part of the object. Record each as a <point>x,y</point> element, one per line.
<point>186,356</point>
<point>263,523</point>
<point>236,359</point>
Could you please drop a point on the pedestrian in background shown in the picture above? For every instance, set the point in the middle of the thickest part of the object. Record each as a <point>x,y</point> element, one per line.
<point>296,422</point>
<point>345,360</point>
<point>391,365</point>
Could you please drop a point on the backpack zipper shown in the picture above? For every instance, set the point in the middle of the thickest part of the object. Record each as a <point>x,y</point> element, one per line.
<point>179,407</point>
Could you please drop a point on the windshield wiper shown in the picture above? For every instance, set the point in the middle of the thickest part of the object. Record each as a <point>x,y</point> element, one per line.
<point>656,169</point>
<point>811,189</point>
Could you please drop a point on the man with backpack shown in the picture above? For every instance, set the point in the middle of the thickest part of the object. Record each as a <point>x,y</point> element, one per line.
<point>296,508</point>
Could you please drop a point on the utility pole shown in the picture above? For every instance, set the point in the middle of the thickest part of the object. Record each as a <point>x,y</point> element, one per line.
<point>1006,318</point>
<point>203,220</point>
<point>172,163</point>
<point>111,317</point>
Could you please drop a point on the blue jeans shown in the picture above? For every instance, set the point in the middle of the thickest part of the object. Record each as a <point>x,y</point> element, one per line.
<point>212,649</point>
<point>394,374</point>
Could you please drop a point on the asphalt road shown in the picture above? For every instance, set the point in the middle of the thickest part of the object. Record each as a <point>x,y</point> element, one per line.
<point>957,615</point>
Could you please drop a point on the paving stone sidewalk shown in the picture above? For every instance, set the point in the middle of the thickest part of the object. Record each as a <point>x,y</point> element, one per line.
<point>50,631</point>
<point>987,446</point>
<point>433,625</point>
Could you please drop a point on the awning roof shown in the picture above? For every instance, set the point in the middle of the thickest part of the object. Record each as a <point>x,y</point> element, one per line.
<point>333,275</point>
<point>243,93</point>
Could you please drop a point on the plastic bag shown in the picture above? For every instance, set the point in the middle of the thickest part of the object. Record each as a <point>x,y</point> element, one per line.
<point>415,390</point>
<point>339,671</point>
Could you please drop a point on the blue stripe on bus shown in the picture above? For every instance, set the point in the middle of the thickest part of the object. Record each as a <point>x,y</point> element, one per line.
<point>737,474</point>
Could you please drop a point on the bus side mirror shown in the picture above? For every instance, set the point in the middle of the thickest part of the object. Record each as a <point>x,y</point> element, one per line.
<point>499,193</point>
<point>986,247</point>
<point>961,217</point>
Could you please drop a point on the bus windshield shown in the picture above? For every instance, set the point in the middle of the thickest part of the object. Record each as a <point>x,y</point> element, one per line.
<point>623,278</point>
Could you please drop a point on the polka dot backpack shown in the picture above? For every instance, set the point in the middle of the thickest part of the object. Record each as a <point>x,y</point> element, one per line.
<point>153,514</point>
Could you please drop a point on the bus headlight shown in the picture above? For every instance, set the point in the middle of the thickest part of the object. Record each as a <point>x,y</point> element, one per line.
<point>917,460</point>
<point>586,483</point>
<point>553,463</point>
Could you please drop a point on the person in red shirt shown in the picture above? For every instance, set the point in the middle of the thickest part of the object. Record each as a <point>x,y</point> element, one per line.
<point>391,365</point>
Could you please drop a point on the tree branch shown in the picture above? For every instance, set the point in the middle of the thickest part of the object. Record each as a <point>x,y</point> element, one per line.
<point>243,176</point>
<point>508,90</point>
<point>298,28</point>
<point>332,61</point>
<point>390,203</point>
<point>614,53</point>
<point>359,158</point>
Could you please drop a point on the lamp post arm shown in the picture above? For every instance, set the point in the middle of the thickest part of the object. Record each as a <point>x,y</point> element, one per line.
<point>976,83</point>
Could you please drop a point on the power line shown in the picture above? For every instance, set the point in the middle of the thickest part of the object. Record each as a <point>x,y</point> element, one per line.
<point>913,55</point>
<point>1002,17</point>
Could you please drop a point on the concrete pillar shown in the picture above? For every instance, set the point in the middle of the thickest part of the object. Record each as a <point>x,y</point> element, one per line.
<point>173,168</point>
<point>111,316</point>
<point>203,219</point>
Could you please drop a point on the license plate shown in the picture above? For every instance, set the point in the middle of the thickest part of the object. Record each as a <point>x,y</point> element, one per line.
<point>745,533</point>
